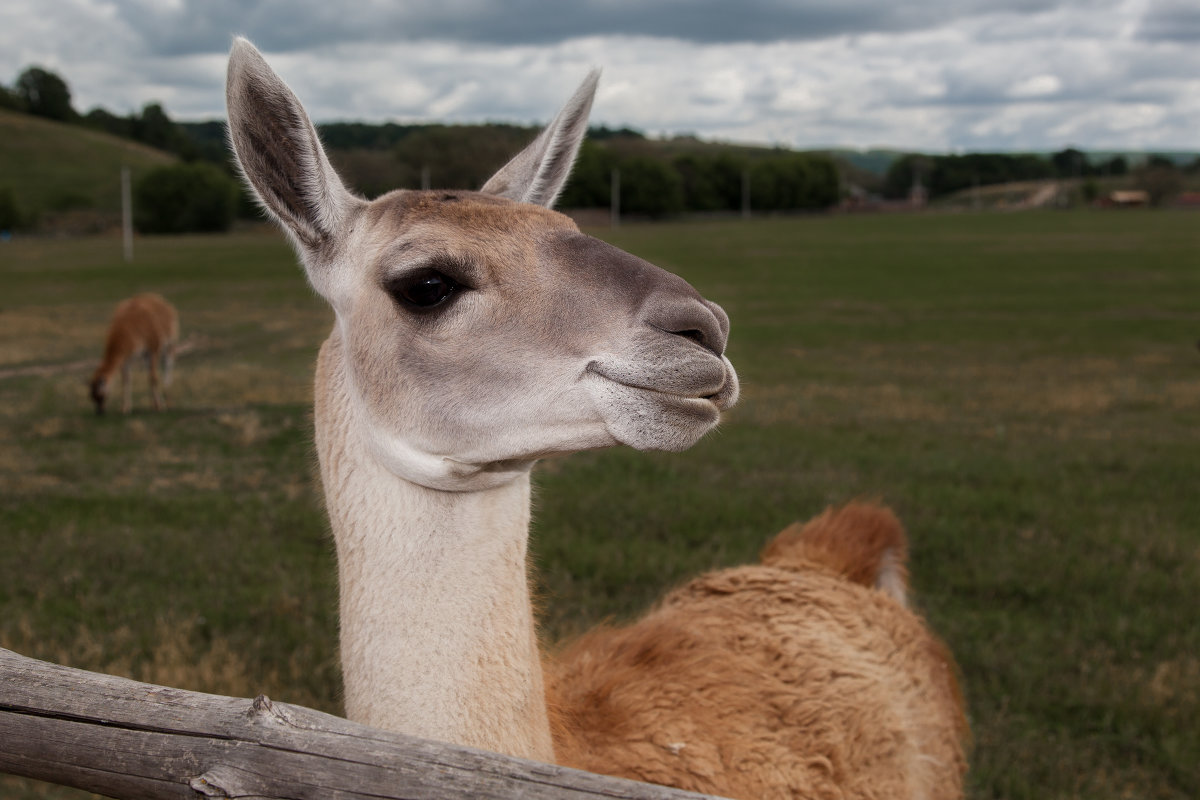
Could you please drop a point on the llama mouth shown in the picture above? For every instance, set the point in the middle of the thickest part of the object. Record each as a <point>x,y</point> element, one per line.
<point>704,402</point>
<point>623,378</point>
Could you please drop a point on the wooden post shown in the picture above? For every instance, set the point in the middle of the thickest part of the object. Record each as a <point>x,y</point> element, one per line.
<point>126,214</point>
<point>615,200</point>
<point>131,740</point>
<point>746,194</point>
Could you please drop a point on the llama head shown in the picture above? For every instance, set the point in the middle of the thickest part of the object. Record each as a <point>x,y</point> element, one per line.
<point>480,331</point>
<point>98,390</point>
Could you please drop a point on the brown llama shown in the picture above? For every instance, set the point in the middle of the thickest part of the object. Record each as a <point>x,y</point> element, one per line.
<point>144,325</point>
<point>478,332</point>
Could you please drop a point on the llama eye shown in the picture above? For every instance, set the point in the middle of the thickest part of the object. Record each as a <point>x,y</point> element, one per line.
<point>424,290</point>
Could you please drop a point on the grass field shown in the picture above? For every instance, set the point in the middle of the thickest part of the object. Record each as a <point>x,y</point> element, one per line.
<point>1023,389</point>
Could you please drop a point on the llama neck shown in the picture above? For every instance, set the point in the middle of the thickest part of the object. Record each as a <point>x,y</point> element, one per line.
<point>437,630</point>
<point>116,351</point>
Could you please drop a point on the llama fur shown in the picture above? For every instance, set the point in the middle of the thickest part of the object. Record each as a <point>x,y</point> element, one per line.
<point>794,678</point>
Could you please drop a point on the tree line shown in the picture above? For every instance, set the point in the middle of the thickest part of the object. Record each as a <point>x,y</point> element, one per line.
<point>942,175</point>
<point>653,181</point>
<point>656,179</point>
<point>202,192</point>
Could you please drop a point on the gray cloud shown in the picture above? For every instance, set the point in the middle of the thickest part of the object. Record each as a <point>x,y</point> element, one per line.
<point>924,74</point>
<point>1171,20</point>
<point>203,26</point>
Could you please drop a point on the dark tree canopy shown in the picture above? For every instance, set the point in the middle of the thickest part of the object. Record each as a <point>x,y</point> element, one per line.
<point>10,213</point>
<point>45,94</point>
<point>156,129</point>
<point>9,100</point>
<point>942,175</point>
<point>185,198</point>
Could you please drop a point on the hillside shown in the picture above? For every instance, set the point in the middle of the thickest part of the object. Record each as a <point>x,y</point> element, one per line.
<point>56,169</point>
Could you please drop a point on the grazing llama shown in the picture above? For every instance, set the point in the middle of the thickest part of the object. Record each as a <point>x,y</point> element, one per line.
<point>144,325</point>
<point>476,332</point>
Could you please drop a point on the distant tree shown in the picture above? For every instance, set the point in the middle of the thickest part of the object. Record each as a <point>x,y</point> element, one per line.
<point>1159,181</point>
<point>711,182</point>
<point>791,181</point>
<point>45,94</point>
<point>9,100</point>
<point>590,185</point>
<point>1069,163</point>
<point>726,171</point>
<point>602,132</point>
<point>1157,160</point>
<point>650,187</point>
<point>102,120</point>
<point>185,198</point>
<point>363,135</point>
<point>1117,165</point>
<point>701,190</point>
<point>10,213</point>
<point>459,156</point>
<point>372,172</point>
<point>155,128</point>
<point>904,172</point>
<point>943,175</point>
<point>207,141</point>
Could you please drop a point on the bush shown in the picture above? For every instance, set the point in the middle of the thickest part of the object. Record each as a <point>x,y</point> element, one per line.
<point>711,183</point>
<point>650,187</point>
<point>9,100</point>
<point>185,198</point>
<point>10,213</point>
<point>590,185</point>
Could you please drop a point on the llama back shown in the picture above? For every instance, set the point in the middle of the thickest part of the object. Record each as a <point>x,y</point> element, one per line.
<point>152,318</point>
<point>805,663</point>
<point>861,542</point>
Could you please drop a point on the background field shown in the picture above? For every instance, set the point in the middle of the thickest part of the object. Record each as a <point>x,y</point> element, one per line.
<point>1023,389</point>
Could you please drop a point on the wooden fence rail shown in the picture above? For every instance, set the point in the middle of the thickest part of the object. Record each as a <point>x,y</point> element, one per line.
<point>135,740</point>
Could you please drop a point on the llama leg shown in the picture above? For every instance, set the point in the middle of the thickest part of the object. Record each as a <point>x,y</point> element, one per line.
<point>168,364</point>
<point>160,402</point>
<point>168,367</point>
<point>126,387</point>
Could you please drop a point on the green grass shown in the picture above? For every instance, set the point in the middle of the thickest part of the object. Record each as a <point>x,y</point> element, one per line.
<point>1023,389</point>
<point>55,167</point>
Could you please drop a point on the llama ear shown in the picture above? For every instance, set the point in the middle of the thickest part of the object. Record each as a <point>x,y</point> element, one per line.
<point>538,173</point>
<point>281,158</point>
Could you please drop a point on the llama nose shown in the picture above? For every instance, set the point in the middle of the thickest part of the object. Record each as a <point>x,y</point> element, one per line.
<point>700,321</point>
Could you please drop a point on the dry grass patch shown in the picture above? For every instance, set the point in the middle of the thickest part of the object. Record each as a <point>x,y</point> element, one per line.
<point>1062,396</point>
<point>179,653</point>
<point>246,426</point>
<point>223,385</point>
<point>48,334</point>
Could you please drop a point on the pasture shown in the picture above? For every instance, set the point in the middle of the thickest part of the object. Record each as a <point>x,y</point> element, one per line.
<point>1023,389</point>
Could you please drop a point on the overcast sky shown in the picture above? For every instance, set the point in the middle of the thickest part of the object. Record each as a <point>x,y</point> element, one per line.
<point>935,75</point>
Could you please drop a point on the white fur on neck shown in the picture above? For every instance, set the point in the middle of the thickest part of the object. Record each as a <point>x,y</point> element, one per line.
<point>437,631</point>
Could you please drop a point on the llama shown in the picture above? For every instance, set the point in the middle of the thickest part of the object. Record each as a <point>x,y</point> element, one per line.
<point>143,325</point>
<point>478,332</point>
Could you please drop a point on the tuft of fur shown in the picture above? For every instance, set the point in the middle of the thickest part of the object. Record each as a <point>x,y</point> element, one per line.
<point>861,542</point>
<point>781,680</point>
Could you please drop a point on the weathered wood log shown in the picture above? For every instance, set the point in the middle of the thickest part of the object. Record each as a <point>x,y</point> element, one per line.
<point>134,740</point>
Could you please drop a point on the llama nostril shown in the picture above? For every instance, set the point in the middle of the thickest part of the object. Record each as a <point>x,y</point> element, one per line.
<point>689,319</point>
